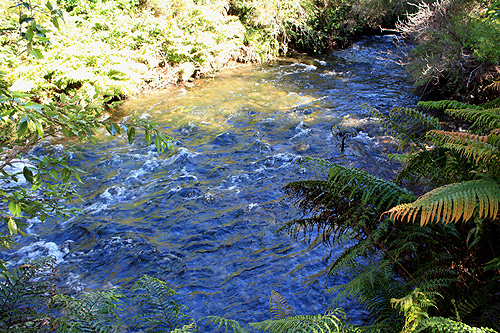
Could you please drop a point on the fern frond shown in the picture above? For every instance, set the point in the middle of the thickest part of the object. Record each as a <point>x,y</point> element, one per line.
<point>446,325</point>
<point>158,310</point>
<point>445,104</point>
<point>190,328</point>
<point>24,291</point>
<point>406,125</point>
<point>93,312</point>
<point>333,321</point>
<point>374,191</point>
<point>481,120</point>
<point>279,307</point>
<point>414,307</point>
<point>227,323</point>
<point>426,165</point>
<point>374,286</point>
<point>481,150</point>
<point>452,203</point>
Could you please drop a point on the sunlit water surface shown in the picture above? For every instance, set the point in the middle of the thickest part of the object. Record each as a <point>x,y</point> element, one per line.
<point>204,218</point>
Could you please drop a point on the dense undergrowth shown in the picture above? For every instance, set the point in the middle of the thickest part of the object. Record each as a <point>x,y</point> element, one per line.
<point>116,48</point>
<point>456,52</point>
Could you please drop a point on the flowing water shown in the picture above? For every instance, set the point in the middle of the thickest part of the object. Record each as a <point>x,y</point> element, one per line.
<point>204,218</point>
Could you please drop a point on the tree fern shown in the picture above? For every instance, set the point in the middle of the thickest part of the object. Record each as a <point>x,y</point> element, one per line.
<point>158,311</point>
<point>24,292</point>
<point>333,321</point>
<point>452,203</point>
<point>93,312</point>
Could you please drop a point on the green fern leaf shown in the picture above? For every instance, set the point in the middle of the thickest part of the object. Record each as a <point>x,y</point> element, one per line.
<point>92,312</point>
<point>333,321</point>
<point>279,307</point>
<point>227,323</point>
<point>406,125</point>
<point>24,292</point>
<point>444,104</point>
<point>159,312</point>
<point>190,328</point>
<point>446,325</point>
<point>452,203</point>
<point>483,121</point>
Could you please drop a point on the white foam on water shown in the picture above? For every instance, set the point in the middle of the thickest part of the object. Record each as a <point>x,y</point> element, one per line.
<point>181,152</point>
<point>365,139</point>
<point>184,174</point>
<point>273,162</point>
<point>38,250</point>
<point>114,193</point>
<point>305,67</point>
<point>303,130</point>
<point>252,206</point>
<point>74,282</point>
<point>136,174</point>
<point>96,208</point>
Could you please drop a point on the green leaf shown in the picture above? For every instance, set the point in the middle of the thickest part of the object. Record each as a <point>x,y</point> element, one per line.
<point>131,134</point>
<point>23,125</point>
<point>53,173</point>
<point>37,54</point>
<point>116,128</point>
<point>29,34</point>
<point>148,137</point>
<point>39,129</point>
<point>66,173</point>
<point>12,226</point>
<point>28,174</point>
<point>55,22</point>
<point>158,144</point>
<point>34,106</point>
<point>12,208</point>
<point>49,6</point>
<point>66,132</point>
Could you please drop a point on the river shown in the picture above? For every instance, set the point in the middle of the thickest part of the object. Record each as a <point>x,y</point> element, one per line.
<point>204,218</point>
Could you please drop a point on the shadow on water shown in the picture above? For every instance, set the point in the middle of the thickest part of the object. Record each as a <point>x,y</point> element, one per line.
<point>204,218</point>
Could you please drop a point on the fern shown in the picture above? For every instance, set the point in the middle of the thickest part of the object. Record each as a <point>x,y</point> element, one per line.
<point>189,328</point>
<point>24,292</point>
<point>452,203</point>
<point>333,321</point>
<point>481,150</point>
<point>93,312</point>
<point>373,286</point>
<point>279,307</point>
<point>444,105</point>
<point>483,121</point>
<point>406,125</point>
<point>159,312</point>
<point>414,307</point>
<point>446,325</point>
<point>227,323</point>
